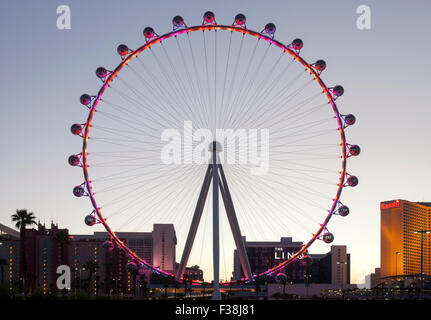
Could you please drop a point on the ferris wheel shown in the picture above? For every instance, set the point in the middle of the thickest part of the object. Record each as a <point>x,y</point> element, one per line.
<point>152,148</point>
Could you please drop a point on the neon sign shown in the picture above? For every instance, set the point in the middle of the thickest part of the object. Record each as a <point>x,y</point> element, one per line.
<point>280,254</point>
<point>393,204</point>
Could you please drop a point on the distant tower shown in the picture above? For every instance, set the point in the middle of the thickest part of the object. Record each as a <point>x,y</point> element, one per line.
<point>164,242</point>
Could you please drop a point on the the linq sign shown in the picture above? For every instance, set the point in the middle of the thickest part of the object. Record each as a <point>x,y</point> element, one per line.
<point>280,254</point>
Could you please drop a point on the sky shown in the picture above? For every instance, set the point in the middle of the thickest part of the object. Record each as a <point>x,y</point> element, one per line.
<point>383,70</point>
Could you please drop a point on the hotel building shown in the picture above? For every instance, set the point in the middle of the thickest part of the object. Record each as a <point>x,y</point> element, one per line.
<point>332,267</point>
<point>400,245</point>
<point>44,254</point>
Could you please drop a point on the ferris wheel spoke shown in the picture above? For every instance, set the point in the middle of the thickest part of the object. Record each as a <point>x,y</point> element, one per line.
<point>137,103</point>
<point>108,141</point>
<point>171,101</point>
<point>116,133</point>
<point>146,213</point>
<point>112,143</point>
<point>124,121</point>
<point>293,131</point>
<point>308,148</point>
<point>128,161</point>
<point>209,101</point>
<point>262,208</point>
<point>245,89</point>
<point>132,115</point>
<point>232,104</point>
<point>121,139</point>
<point>232,82</point>
<point>122,155</point>
<point>284,100</point>
<point>153,190</point>
<point>186,95</point>
<point>310,135</point>
<point>156,99</point>
<point>265,93</point>
<point>312,166</point>
<point>141,174</point>
<point>305,188</point>
<point>278,100</point>
<point>119,119</point>
<point>307,113</point>
<point>294,116</point>
<point>131,181</point>
<point>287,199</point>
<point>222,106</point>
<point>248,181</point>
<point>173,85</point>
<point>252,94</point>
<point>157,197</point>
<point>253,216</point>
<point>195,94</point>
<point>198,82</point>
<point>311,179</point>
<point>164,102</point>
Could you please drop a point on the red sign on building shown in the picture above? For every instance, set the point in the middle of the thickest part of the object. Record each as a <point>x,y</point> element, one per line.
<point>389,205</point>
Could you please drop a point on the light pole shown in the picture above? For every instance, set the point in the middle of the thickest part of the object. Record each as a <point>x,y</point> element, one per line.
<point>116,284</point>
<point>340,263</point>
<point>422,232</point>
<point>80,275</point>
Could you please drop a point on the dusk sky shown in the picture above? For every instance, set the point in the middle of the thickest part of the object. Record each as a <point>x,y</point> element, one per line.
<point>383,71</point>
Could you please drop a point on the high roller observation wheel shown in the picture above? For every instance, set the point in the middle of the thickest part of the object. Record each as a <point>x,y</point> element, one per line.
<point>180,29</point>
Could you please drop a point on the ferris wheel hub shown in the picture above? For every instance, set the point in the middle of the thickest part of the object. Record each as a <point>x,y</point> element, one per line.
<point>215,146</point>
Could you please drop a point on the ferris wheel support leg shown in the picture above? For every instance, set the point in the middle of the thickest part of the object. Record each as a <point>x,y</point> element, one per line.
<point>234,225</point>
<point>216,232</point>
<point>195,222</point>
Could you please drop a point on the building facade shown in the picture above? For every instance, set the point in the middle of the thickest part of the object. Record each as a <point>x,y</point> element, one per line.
<point>94,268</point>
<point>332,267</point>
<point>400,245</point>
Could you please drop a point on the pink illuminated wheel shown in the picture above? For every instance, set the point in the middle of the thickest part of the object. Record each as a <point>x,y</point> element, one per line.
<point>178,86</point>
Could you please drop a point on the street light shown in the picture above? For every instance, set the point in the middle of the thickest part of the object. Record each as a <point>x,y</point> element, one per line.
<point>116,284</point>
<point>422,232</point>
<point>340,263</point>
<point>80,275</point>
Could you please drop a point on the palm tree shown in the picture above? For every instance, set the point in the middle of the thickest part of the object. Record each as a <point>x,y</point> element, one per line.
<point>22,219</point>
<point>3,263</point>
<point>62,238</point>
